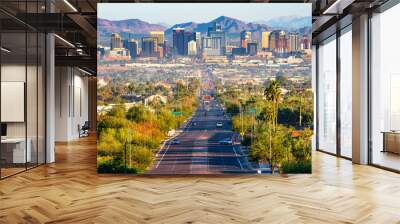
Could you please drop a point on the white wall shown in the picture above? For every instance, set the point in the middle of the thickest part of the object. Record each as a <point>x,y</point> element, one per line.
<point>12,73</point>
<point>71,102</point>
<point>61,103</point>
<point>16,73</point>
<point>33,126</point>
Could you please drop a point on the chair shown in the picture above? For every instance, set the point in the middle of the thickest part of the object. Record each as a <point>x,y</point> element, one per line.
<point>84,130</point>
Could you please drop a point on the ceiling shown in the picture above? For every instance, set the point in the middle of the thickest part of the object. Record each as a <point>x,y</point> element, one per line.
<point>74,22</point>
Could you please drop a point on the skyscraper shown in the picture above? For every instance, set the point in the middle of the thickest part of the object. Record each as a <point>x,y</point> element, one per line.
<point>305,42</point>
<point>282,42</point>
<point>265,40</point>
<point>198,41</point>
<point>115,41</point>
<point>188,36</point>
<point>178,41</point>
<point>273,40</point>
<point>148,44</point>
<point>211,28</point>
<point>132,46</point>
<point>217,32</point>
<point>211,46</point>
<point>192,48</point>
<point>159,36</point>
<point>214,27</point>
<point>293,42</point>
<point>245,37</point>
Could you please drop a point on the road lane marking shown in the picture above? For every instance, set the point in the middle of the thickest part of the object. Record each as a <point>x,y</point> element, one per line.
<point>241,166</point>
<point>169,143</point>
<point>159,161</point>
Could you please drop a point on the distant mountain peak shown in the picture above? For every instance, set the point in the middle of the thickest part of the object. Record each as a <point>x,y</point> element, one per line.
<point>289,22</point>
<point>221,18</point>
<point>132,26</point>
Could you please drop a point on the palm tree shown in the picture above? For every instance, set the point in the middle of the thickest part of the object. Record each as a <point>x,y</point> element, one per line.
<point>300,109</point>
<point>130,88</point>
<point>269,117</point>
<point>273,95</point>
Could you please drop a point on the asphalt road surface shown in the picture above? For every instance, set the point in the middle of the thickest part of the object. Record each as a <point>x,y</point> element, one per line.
<point>200,150</point>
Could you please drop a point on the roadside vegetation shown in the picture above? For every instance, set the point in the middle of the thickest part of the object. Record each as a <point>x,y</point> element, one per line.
<point>130,136</point>
<point>276,126</point>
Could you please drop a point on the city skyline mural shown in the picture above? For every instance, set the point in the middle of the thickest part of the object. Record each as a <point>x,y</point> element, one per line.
<point>204,88</point>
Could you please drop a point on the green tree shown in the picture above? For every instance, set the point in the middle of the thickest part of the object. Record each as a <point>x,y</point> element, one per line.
<point>117,111</point>
<point>139,114</point>
<point>109,145</point>
<point>301,146</point>
<point>270,148</point>
<point>273,95</point>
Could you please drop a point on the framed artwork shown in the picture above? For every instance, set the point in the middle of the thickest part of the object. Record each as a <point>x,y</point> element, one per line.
<point>204,88</point>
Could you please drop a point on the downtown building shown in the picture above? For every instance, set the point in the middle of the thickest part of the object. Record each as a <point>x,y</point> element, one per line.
<point>278,42</point>
<point>160,38</point>
<point>305,42</point>
<point>132,46</point>
<point>265,40</point>
<point>216,32</point>
<point>180,41</point>
<point>192,48</point>
<point>252,48</point>
<point>149,46</point>
<point>293,43</point>
<point>117,50</point>
<point>214,44</point>
<point>116,41</point>
<point>245,37</point>
<point>198,42</point>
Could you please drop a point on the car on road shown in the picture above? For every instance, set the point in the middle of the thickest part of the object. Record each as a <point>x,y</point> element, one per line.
<point>219,124</point>
<point>175,142</point>
<point>226,141</point>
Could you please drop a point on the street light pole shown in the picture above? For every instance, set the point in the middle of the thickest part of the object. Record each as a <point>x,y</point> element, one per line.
<point>241,116</point>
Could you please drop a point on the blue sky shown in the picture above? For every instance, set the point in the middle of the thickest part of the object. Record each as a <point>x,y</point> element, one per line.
<point>172,13</point>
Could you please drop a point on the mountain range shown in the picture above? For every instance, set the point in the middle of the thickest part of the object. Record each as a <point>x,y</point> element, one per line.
<point>288,22</point>
<point>228,24</point>
<point>107,27</point>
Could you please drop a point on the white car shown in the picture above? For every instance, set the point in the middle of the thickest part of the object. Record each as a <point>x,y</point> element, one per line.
<point>226,141</point>
<point>219,124</point>
<point>175,142</point>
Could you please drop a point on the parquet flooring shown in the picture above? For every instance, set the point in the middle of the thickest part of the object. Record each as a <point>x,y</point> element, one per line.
<point>70,191</point>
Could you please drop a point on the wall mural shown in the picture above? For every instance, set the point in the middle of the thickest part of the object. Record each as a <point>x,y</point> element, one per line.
<point>205,88</point>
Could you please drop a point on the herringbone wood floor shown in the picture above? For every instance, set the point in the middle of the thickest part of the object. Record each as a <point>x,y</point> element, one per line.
<point>70,191</point>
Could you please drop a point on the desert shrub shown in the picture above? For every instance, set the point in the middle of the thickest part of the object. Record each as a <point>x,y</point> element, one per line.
<point>108,143</point>
<point>296,166</point>
<point>138,157</point>
<point>109,164</point>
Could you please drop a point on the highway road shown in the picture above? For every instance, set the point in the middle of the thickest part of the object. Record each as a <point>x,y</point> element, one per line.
<point>199,150</point>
